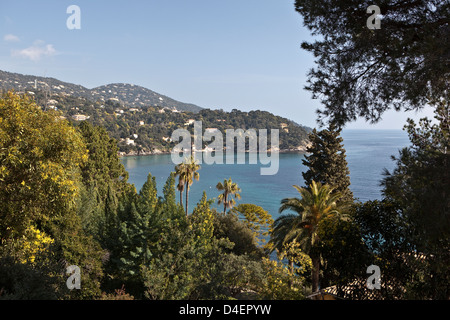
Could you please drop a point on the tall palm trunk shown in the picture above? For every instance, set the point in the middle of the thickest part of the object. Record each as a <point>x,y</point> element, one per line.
<point>225,203</point>
<point>181,198</point>
<point>187,196</point>
<point>315,273</point>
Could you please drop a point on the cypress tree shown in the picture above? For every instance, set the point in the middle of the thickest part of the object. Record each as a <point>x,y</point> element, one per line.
<point>326,162</point>
<point>169,203</point>
<point>148,196</point>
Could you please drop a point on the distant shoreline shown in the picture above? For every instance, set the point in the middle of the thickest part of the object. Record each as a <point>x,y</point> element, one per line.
<point>127,155</point>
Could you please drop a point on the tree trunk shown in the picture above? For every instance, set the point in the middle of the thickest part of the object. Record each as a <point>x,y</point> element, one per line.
<point>315,274</point>
<point>291,266</point>
<point>187,195</point>
<point>225,203</point>
<point>181,198</point>
<point>291,270</point>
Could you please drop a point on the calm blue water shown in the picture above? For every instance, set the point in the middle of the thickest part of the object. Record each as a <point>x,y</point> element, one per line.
<point>368,153</point>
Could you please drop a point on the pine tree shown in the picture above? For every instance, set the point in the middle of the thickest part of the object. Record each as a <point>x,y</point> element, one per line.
<point>103,165</point>
<point>148,198</point>
<point>419,185</point>
<point>326,162</point>
<point>168,203</point>
<point>361,72</point>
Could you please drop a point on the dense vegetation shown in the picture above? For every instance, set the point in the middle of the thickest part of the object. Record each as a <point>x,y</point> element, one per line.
<point>361,73</point>
<point>66,201</point>
<point>150,128</point>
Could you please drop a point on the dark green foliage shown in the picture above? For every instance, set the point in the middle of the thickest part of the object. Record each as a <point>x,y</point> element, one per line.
<point>104,179</point>
<point>128,237</point>
<point>383,228</point>
<point>180,261</point>
<point>241,236</point>
<point>75,247</point>
<point>326,162</point>
<point>344,254</point>
<point>171,272</point>
<point>233,276</point>
<point>20,281</point>
<point>420,183</point>
<point>419,186</point>
<point>407,232</point>
<point>362,72</point>
<point>103,166</point>
<point>122,240</point>
<point>387,236</point>
<point>193,259</point>
<point>169,202</point>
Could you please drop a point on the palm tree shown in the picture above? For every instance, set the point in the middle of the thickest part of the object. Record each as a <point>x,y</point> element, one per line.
<point>180,171</point>
<point>315,204</point>
<point>188,172</point>
<point>229,188</point>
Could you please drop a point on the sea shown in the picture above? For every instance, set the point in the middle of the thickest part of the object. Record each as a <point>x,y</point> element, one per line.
<point>368,153</point>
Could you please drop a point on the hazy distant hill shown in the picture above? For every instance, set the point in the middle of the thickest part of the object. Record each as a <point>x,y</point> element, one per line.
<point>128,94</point>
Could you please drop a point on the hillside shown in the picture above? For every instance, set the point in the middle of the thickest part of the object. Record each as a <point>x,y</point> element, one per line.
<point>141,127</point>
<point>128,94</point>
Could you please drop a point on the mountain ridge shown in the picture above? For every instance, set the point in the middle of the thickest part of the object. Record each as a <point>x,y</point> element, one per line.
<point>125,93</point>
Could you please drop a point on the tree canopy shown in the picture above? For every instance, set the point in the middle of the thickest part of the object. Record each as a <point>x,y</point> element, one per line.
<point>362,72</point>
<point>326,162</point>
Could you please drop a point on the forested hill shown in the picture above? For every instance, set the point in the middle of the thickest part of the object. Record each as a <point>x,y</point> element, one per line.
<point>145,128</point>
<point>148,130</point>
<point>128,94</point>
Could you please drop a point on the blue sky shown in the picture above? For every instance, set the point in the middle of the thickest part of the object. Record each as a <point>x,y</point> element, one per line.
<point>242,54</point>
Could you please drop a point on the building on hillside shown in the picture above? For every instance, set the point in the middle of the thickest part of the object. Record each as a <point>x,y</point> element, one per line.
<point>80,117</point>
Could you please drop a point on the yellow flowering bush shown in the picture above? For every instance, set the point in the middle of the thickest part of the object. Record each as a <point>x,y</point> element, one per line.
<point>293,253</point>
<point>280,283</point>
<point>33,243</point>
<point>202,220</point>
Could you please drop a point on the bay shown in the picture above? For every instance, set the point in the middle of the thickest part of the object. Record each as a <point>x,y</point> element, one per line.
<point>368,154</point>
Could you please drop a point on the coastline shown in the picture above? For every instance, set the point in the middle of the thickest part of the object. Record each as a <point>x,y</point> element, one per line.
<point>159,152</point>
